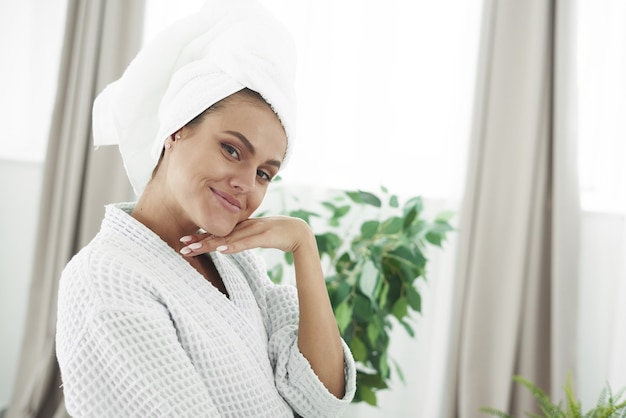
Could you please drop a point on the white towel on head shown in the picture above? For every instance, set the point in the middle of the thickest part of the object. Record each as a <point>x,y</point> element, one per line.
<point>225,46</point>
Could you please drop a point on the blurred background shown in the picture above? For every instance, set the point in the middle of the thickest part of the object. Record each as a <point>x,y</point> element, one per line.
<point>509,113</point>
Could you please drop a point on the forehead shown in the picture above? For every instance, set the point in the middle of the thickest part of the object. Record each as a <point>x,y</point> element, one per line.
<point>254,119</point>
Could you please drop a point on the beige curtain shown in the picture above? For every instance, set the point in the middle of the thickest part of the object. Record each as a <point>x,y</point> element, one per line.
<point>101,38</point>
<point>516,286</point>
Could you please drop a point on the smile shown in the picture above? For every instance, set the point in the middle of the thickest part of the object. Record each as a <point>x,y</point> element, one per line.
<point>229,202</point>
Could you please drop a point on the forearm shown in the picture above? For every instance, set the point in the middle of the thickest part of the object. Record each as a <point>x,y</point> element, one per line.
<point>318,335</point>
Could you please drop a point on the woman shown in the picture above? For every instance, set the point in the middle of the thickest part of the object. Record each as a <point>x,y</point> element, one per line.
<point>167,312</point>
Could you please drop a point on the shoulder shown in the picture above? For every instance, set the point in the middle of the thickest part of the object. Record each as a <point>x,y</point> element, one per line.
<point>107,271</point>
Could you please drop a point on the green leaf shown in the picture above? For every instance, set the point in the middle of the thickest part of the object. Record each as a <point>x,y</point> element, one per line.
<point>383,366</point>
<point>400,268</point>
<point>289,258</point>
<point>414,202</point>
<point>362,308</point>
<point>341,211</point>
<point>343,315</point>
<point>368,279</point>
<point>444,216</point>
<point>392,225</point>
<point>408,328</point>
<point>369,229</point>
<point>373,330</point>
<point>393,201</point>
<point>337,211</point>
<point>384,189</point>
<point>382,299</point>
<point>359,351</point>
<point>434,238</point>
<point>437,231</point>
<point>371,380</point>
<point>305,215</point>
<point>276,273</point>
<point>339,293</point>
<point>367,395</point>
<point>400,308</point>
<point>399,371</point>
<point>413,298</point>
<point>409,217</point>
<point>343,263</point>
<point>573,406</point>
<point>330,206</point>
<point>544,401</point>
<point>328,243</point>
<point>411,257</point>
<point>365,197</point>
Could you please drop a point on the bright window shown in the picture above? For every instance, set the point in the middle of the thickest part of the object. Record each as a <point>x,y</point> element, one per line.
<point>31,35</point>
<point>602,104</point>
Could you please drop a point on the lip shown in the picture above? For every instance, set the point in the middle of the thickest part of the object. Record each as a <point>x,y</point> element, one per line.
<point>227,200</point>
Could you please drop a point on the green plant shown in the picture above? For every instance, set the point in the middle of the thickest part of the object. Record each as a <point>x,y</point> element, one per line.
<point>609,405</point>
<point>374,261</point>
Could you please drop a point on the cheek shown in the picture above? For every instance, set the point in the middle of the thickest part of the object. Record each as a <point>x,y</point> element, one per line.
<point>183,184</point>
<point>254,201</point>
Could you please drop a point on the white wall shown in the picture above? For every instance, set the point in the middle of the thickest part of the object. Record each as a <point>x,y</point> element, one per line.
<point>20,186</point>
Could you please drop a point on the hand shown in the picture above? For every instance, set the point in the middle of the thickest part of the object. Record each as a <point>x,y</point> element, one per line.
<point>280,232</point>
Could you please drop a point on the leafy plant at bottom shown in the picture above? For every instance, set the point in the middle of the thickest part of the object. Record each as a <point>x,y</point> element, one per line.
<point>609,405</point>
<point>375,264</point>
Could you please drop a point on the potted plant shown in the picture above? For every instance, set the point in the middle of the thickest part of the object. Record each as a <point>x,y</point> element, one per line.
<point>374,250</point>
<point>608,406</point>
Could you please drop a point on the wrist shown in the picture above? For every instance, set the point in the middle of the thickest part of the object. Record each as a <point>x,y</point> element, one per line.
<point>306,241</point>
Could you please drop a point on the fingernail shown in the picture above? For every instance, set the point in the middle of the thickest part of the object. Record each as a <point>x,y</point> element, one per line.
<point>186,238</point>
<point>186,250</point>
<point>221,248</point>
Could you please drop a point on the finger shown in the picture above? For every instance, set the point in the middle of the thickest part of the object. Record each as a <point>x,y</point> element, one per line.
<point>188,239</point>
<point>243,237</point>
<point>203,243</point>
<point>200,245</point>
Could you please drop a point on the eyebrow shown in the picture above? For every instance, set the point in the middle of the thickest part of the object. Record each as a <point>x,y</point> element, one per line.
<point>250,147</point>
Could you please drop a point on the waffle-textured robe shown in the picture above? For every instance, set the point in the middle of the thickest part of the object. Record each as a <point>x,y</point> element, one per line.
<point>141,333</point>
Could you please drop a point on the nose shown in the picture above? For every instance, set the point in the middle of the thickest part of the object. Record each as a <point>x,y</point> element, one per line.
<point>244,180</point>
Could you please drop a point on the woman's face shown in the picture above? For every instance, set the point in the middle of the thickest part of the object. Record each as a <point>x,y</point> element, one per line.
<point>218,170</point>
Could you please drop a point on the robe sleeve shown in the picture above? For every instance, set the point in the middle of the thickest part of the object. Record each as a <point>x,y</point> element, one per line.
<point>294,377</point>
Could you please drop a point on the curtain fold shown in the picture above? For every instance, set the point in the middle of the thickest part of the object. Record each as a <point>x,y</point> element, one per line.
<point>516,287</point>
<point>566,207</point>
<point>101,37</point>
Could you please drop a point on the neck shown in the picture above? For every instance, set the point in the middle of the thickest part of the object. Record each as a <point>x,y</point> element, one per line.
<point>157,212</point>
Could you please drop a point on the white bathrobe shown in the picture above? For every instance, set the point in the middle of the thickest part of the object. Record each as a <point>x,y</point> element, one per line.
<point>141,333</point>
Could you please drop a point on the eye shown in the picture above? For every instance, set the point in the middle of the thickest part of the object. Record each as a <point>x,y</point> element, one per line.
<point>263,175</point>
<point>230,150</point>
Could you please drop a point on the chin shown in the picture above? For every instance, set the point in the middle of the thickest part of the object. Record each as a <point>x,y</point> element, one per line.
<point>221,230</point>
